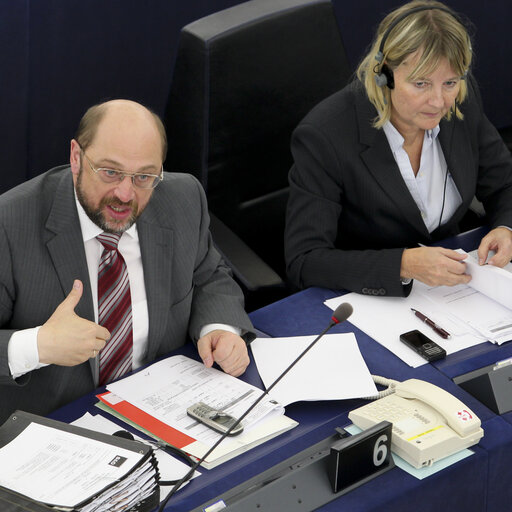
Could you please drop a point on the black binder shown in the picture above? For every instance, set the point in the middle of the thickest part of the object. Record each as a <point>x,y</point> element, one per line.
<point>11,501</point>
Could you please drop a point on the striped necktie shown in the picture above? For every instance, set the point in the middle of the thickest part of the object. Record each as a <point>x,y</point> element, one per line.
<point>114,310</point>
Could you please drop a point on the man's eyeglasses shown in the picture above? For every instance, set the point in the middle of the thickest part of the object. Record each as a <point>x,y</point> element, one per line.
<point>139,180</point>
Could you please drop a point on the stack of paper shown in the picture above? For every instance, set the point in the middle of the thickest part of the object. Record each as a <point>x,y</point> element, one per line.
<point>169,467</point>
<point>156,399</point>
<point>76,469</point>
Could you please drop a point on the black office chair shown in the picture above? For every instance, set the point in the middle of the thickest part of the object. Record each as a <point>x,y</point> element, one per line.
<point>244,78</point>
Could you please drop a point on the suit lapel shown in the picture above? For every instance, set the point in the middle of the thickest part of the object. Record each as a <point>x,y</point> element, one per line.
<point>156,246</point>
<point>66,247</point>
<point>457,153</point>
<point>380,162</point>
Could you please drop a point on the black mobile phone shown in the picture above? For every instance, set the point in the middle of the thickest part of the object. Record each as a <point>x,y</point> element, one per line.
<point>423,345</point>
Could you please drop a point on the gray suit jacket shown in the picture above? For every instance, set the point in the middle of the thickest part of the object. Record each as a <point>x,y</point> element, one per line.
<point>350,214</point>
<point>42,252</point>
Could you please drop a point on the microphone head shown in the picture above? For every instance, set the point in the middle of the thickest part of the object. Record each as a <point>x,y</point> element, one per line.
<point>342,312</point>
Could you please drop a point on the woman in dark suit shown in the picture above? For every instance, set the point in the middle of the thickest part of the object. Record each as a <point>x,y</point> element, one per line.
<point>391,163</point>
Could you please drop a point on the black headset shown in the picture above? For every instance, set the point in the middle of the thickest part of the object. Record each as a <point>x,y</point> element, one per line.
<point>384,75</point>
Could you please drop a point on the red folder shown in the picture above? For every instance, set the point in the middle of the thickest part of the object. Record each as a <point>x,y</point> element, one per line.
<point>146,421</point>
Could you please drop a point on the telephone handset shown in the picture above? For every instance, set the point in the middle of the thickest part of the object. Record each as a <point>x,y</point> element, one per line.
<point>428,422</point>
<point>457,415</point>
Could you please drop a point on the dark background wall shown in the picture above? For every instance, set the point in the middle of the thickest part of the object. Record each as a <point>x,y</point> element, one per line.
<point>58,57</point>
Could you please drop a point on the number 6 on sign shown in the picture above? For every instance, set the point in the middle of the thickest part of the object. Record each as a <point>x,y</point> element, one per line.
<point>357,459</point>
<point>380,450</point>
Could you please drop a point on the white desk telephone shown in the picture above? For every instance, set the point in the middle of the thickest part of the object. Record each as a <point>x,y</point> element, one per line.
<point>428,422</point>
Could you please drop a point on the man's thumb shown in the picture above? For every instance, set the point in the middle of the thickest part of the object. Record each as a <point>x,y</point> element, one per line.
<point>74,295</point>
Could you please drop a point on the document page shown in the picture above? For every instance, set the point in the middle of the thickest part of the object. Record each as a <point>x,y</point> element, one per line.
<point>61,468</point>
<point>166,389</point>
<point>489,318</point>
<point>333,369</point>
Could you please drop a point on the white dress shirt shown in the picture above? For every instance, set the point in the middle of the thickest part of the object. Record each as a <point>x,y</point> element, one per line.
<point>22,350</point>
<point>428,186</point>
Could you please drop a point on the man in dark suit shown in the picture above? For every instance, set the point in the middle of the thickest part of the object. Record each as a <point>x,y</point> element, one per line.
<point>393,161</point>
<point>50,339</point>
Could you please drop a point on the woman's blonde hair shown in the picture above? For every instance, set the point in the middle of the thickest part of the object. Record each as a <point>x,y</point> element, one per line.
<point>436,31</point>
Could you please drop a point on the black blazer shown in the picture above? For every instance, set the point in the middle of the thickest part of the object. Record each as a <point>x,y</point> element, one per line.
<point>350,214</point>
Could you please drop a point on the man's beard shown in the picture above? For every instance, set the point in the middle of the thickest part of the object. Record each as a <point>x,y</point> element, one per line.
<point>97,216</point>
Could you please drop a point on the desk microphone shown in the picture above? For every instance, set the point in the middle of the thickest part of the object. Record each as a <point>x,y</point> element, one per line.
<point>341,313</point>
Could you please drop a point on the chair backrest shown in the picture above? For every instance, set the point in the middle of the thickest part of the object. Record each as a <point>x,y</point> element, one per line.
<point>243,79</point>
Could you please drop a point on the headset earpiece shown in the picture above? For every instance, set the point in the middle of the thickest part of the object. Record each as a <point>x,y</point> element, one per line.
<point>381,79</point>
<point>385,77</point>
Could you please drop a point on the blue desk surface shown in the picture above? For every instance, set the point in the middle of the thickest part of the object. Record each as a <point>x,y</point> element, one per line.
<point>394,491</point>
<point>478,483</point>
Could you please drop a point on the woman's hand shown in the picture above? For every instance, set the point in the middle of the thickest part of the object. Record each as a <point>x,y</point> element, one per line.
<point>434,266</point>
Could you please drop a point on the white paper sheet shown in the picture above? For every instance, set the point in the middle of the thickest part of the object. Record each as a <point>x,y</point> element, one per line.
<point>333,369</point>
<point>494,282</point>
